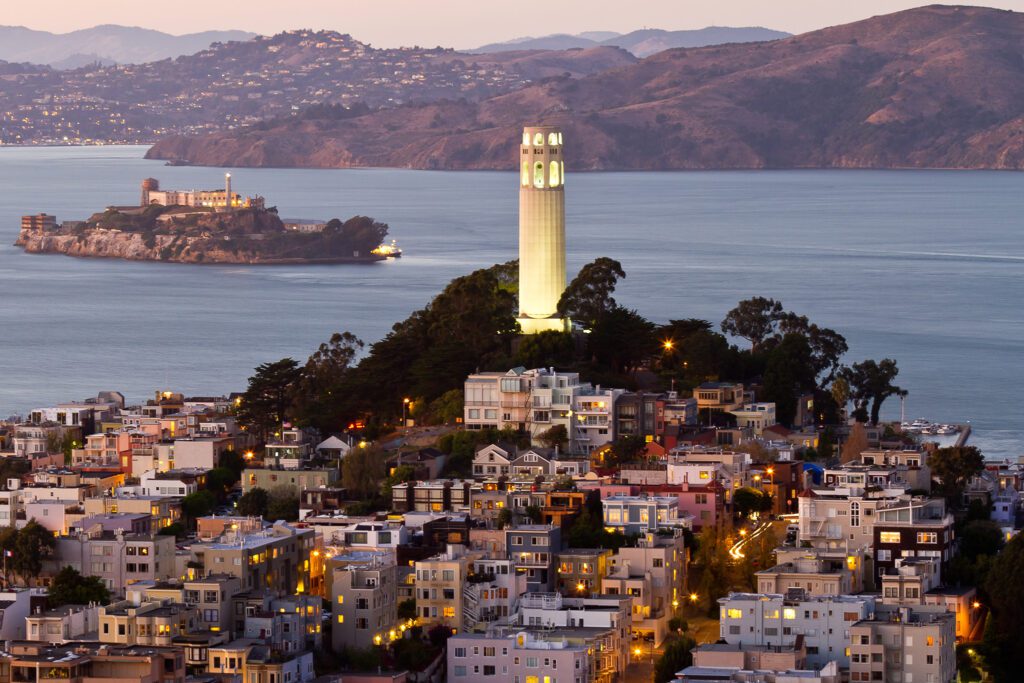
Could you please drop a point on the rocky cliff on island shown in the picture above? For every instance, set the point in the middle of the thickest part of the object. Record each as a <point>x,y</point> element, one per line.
<point>190,235</point>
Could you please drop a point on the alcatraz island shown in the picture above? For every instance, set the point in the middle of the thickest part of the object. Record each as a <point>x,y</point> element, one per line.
<point>206,226</point>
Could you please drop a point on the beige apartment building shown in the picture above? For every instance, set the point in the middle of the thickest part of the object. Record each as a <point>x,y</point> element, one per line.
<point>363,596</point>
<point>117,558</point>
<point>439,595</point>
<point>912,645</point>
<point>154,622</point>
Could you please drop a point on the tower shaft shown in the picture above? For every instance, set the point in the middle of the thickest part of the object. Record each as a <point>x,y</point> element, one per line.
<point>541,229</point>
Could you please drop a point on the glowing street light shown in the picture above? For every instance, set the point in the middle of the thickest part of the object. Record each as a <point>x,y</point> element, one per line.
<point>693,597</point>
<point>581,586</point>
<point>636,652</point>
<point>743,532</point>
<point>406,402</point>
<point>668,344</point>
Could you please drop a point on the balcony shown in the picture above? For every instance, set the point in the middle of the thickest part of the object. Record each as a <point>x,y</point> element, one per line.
<point>541,601</point>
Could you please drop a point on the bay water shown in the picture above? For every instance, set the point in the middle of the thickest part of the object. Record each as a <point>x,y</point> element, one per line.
<point>926,267</point>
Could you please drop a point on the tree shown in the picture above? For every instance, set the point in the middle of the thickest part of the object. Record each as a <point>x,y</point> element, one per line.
<point>8,536</point>
<point>362,471</point>
<point>980,537</point>
<point>71,588</point>
<point>177,529</point>
<point>534,514</point>
<point>624,449</point>
<point>269,398</point>
<point>954,467</point>
<point>554,437</point>
<point>198,504</point>
<point>753,319</point>
<point>870,384</point>
<point>621,340</point>
<point>747,500</point>
<point>219,482</point>
<point>32,545</point>
<point>677,656</point>
<point>548,349</point>
<point>253,503</point>
<point>445,409</point>
<point>787,375</point>
<point>324,374</point>
<point>840,391</point>
<point>588,297</point>
<point>283,504</point>
<point>504,518</point>
<point>1004,634</point>
<point>716,569</point>
<point>407,609</point>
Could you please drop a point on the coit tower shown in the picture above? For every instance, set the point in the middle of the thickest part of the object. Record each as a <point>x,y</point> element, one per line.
<point>541,229</point>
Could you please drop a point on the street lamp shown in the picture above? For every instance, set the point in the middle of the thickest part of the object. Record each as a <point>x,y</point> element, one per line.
<point>693,597</point>
<point>405,410</point>
<point>668,344</point>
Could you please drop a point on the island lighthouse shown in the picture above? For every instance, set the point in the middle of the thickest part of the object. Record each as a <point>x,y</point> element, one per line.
<point>541,230</point>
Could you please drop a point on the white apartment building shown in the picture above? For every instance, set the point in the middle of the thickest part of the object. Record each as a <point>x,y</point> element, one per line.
<point>640,514</point>
<point>491,593</point>
<point>524,657</point>
<point>535,400</point>
<point>825,622</point>
<point>652,574</point>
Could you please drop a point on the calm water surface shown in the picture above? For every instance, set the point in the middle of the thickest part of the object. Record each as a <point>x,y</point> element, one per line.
<point>924,266</point>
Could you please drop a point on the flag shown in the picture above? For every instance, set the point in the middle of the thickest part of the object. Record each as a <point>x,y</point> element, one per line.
<point>8,553</point>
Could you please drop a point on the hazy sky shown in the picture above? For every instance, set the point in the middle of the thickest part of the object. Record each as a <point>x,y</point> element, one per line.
<point>456,23</point>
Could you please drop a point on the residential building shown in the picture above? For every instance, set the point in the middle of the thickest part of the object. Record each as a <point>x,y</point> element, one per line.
<point>275,558</point>
<point>915,528</point>
<point>95,663</point>
<point>364,600</point>
<point>904,644</point>
<point>581,571</point>
<point>640,514</point>
<point>535,400</point>
<point>815,574</point>
<point>533,548</point>
<point>653,574</point>
<point>439,588</point>
<point>714,398</point>
<point>63,624</point>
<point>523,656</point>
<point>440,495</point>
<point>145,623</point>
<point>294,480</point>
<point>755,417</point>
<point>824,623</point>
<point>117,558</point>
<point>491,592</point>
<point>611,613</point>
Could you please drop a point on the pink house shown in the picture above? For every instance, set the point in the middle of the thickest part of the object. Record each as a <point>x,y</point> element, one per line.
<point>706,502</point>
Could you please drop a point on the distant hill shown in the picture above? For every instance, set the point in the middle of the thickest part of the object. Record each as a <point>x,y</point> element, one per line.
<point>938,86</point>
<point>235,83</point>
<point>105,44</point>
<point>642,43</point>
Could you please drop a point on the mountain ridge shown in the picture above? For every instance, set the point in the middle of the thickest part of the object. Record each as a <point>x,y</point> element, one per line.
<point>105,43</point>
<point>937,86</point>
<point>642,42</point>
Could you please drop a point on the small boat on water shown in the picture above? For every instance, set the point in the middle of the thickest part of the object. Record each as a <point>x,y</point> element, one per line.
<point>389,250</point>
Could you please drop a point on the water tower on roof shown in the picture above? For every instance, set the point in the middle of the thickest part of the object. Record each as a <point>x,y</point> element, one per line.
<point>541,230</point>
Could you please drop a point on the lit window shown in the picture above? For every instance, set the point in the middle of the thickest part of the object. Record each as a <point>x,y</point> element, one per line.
<point>526,139</point>
<point>889,537</point>
<point>559,138</point>
<point>538,173</point>
<point>552,138</point>
<point>526,173</point>
<point>734,613</point>
<point>538,139</point>
<point>554,174</point>
<point>788,613</point>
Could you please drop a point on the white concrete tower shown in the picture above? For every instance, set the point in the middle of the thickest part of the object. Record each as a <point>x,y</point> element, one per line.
<point>541,230</point>
<point>227,191</point>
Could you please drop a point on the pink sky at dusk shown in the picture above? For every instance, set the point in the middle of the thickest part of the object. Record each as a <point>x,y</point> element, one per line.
<point>452,23</point>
